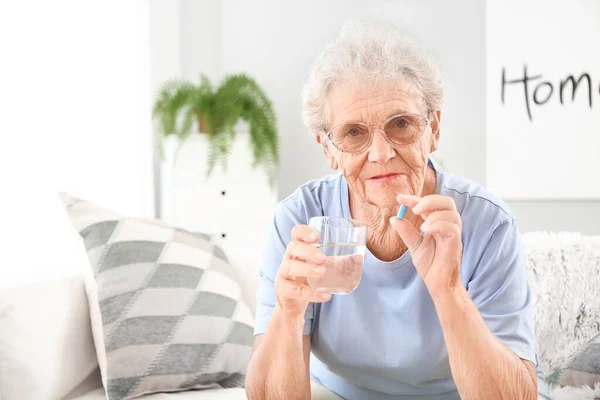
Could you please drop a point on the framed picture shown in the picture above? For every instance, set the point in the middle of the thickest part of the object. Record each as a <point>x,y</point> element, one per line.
<point>543,99</point>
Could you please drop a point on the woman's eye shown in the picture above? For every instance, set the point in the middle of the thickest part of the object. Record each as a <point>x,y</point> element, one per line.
<point>401,123</point>
<point>353,132</point>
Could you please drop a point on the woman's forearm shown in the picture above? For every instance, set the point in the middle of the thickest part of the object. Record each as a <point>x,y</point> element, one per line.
<point>277,368</point>
<point>482,366</point>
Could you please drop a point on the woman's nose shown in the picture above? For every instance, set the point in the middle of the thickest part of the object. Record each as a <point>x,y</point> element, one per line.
<point>380,150</point>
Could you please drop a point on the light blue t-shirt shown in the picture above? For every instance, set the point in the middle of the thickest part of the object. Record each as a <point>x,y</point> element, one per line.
<point>384,340</point>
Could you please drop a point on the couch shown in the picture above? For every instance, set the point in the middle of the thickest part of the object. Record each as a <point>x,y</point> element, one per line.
<point>47,350</point>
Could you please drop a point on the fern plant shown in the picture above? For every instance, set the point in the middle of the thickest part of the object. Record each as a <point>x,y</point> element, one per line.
<point>179,105</point>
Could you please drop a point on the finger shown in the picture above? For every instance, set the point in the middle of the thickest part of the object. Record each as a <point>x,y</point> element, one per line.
<point>429,204</point>
<point>408,200</point>
<point>304,251</point>
<point>291,269</point>
<point>450,216</point>
<point>357,258</point>
<point>408,233</point>
<point>298,291</point>
<point>304,233</point>
<point>443,228</point>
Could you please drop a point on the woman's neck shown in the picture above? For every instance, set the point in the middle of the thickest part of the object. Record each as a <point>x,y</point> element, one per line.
<point>383,242</point>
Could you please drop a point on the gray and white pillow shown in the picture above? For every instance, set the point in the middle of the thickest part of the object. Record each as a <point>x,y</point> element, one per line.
<point>167,308</point>
<point>584,368</point>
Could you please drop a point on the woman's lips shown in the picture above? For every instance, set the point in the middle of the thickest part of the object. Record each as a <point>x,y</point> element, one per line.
<point>384,178</point>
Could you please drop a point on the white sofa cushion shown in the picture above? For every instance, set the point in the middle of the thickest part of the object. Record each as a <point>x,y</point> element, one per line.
<point>318,392</point>
<point>46,347</point>
<point>168,313</point>
<point>210,394</point>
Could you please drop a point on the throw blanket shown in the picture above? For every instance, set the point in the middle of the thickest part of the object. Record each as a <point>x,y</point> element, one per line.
<point>564,274</point>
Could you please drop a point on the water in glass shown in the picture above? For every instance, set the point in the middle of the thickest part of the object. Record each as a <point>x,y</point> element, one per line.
<point>343,267</point>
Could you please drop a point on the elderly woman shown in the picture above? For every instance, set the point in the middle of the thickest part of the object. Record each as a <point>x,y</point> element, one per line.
<point>443,310</point>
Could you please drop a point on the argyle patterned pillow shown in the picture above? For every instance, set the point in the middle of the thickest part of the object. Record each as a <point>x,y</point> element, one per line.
<point>166,307</point>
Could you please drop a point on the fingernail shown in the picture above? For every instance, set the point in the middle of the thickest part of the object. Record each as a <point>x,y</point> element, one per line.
<point>312,236</point>
<point>320,270</point>
<point>320,256</point>
<point>325,296</point>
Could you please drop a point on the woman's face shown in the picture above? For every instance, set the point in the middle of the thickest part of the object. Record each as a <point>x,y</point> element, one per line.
<point>383,170</point>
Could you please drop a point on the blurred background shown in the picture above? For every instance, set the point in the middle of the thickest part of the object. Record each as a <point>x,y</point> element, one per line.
<point>79,81</point>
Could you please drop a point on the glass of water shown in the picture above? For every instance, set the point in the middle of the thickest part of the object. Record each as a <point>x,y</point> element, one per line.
<point>344,242</point>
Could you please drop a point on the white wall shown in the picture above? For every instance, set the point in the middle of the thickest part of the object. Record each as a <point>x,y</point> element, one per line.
<point>75,116</point>
<point>164,26</point>
<point>185,41</point>
<point>277,41</point>
<point>201,39</point>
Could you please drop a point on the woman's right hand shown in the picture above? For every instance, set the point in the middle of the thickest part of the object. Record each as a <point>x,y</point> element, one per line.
<point>301,260</point>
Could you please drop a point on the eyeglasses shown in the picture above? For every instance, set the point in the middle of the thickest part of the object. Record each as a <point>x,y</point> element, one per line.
<point>399,130</point>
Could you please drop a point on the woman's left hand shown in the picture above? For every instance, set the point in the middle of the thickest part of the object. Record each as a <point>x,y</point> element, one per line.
<point>436,253</point>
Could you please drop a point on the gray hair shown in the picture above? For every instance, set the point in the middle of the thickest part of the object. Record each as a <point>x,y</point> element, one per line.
<point>369,51</point>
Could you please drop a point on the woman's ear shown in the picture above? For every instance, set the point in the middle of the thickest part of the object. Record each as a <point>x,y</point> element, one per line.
<point>435,130</point>
<point>331,160</point>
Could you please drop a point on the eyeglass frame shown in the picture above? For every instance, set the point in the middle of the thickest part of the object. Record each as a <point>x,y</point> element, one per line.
<point>381,129</point>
